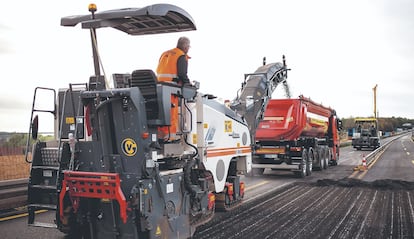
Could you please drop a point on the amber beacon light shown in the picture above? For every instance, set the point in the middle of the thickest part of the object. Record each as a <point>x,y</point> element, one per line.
<point>92,7</point>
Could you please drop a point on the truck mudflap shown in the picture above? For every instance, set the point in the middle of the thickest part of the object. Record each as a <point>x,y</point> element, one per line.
<point>92,185</point>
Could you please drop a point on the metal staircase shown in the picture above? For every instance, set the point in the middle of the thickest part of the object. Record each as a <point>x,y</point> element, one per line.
<point>45,175</point>
<point>50,159</point>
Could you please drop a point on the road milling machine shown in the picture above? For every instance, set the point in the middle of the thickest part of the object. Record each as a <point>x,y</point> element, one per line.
<point>108,174</point>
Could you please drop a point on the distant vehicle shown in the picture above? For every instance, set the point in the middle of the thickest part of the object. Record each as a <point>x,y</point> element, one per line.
<point>407,126</point>
<point>366,134</point>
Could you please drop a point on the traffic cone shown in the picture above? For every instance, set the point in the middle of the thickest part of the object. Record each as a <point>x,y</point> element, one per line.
<point>364,163</point>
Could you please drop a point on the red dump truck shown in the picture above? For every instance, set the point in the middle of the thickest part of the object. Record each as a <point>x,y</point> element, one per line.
<point>298,135</point>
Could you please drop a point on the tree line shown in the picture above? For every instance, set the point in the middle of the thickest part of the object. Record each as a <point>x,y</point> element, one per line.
<point>20,139</point>
<point>384,124</point>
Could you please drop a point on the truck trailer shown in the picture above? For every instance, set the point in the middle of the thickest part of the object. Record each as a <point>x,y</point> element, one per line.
<point>298,135</point>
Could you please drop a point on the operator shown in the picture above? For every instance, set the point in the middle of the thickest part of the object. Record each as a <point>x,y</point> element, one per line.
<point>173,64</point>
<point>373,133</point>
<point>172,67</point>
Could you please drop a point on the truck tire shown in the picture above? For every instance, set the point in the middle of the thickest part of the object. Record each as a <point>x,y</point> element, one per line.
<point>309,162</point>
<point>302,166</point>
<point>319,160</point>
<point>326,157</point>
<point>322,158</point>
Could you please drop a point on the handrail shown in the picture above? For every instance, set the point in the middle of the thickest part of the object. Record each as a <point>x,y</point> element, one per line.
<point>31,117</point>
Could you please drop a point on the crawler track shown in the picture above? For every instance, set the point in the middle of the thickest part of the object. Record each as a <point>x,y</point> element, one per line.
<point>326,209</point>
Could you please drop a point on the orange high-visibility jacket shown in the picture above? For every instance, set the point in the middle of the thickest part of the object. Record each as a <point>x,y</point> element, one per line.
<point>167,66</point>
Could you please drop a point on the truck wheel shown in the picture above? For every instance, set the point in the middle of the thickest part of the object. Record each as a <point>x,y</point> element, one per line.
<point>326,158</point>
<point>323,159</point>
<point>318,160</point>
<point>302,166</point>
<point>309,162</point>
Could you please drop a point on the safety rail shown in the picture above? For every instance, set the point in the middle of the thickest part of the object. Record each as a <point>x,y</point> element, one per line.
<point>13,194</point>
<point>371,157</point>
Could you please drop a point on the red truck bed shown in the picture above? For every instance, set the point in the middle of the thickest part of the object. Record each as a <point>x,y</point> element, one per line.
<point>289,119</point>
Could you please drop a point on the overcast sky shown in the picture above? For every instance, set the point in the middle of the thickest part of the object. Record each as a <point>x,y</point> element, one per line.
<point>338,50</point>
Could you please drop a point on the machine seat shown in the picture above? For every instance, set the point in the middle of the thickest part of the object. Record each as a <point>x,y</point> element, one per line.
<point>146,81</point>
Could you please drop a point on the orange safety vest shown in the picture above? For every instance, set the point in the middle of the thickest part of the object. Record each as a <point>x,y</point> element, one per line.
<point>167,66</point>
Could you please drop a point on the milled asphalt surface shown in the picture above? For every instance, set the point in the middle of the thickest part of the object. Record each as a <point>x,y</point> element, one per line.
<point>377,203</point>
<point>345,208</point>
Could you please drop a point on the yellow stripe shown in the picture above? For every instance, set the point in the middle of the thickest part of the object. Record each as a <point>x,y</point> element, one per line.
<point>256,185</point>
<point>362,174</point>
<point>270,151</point>
<point>20,215</point>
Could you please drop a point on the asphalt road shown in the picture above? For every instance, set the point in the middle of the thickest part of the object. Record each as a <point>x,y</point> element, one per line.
<point>271,203</point>
<point>397,162</point>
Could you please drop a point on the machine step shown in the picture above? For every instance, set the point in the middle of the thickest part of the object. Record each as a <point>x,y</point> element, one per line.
<point>43,224</point>
<point>45,167</point>
<point>44,187</point>
<point>42,206</point>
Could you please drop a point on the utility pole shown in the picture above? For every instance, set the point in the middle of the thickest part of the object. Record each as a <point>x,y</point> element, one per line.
<point>375,100</point>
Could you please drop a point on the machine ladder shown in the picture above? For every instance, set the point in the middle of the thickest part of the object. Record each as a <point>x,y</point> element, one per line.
<point>49,159</point>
